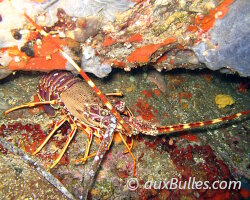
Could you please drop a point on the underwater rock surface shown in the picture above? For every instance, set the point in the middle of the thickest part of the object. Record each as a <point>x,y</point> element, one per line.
<point>230,39</point>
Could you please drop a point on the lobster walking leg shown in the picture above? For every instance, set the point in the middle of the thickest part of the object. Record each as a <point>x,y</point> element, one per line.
<point>90,133</point>
<point>116,94</point>
<point>70,137</point>
<point>130,146</point>
<point>89,141</point>
<point>82,160</point>
<point>57,125</point>
<point>129,151</point>
<point>31,104</point>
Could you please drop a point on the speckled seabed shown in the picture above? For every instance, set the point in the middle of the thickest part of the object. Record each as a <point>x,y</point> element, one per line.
<point>189,96</point>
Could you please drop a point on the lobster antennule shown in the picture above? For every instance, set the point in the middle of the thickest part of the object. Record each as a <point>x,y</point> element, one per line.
<point>180,127</point>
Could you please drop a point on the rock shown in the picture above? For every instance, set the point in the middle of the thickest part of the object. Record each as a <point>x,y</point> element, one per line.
<point>228,48</point>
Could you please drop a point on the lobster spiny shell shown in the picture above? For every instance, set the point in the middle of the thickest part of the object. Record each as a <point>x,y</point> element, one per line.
<point>80,100</point>
<point>75,97</point>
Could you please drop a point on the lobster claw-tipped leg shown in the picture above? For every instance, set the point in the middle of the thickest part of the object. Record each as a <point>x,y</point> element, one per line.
<point>70,137</point>
<point>57,125</point>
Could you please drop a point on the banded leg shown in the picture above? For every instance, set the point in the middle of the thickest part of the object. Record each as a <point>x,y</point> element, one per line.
<point>57,125</point>
<point>129,151</point>
<point>70,137</point>
<point>31,104</point>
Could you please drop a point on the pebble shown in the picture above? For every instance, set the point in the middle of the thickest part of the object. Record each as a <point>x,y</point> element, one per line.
<point>17,35</point>
<point>132,79</point>
<point>4,105</point>
<point>28,49</point>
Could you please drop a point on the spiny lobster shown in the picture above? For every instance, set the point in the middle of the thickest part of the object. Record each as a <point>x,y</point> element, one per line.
<point>63,92</point>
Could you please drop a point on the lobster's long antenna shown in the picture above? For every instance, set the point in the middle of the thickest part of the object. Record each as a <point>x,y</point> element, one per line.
<point>81,72</point>
<point>181,127</point>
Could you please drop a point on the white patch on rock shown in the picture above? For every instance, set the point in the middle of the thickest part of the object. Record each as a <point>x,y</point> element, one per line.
<point>91,172</point>
<point>91,63</point>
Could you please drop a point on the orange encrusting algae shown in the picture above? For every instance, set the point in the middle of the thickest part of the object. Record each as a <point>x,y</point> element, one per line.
<point>135,38</point>
<point>204,23</point>
<point>142,54</point>
<point>47,57</point>
<point>157,92</point>
<point>162,58</point>
<point>108,41</point>
<point>47,47</point>
<point>119,63</point>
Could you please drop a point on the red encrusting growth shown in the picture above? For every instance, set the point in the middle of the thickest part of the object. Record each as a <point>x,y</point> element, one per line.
<point>33,35</point>
<point>108,41</point>
<point>143,54</point>
<point>147,93</point>
<point>157,92</point>
<point>119,63</point>
<point>185,95</point>
<point>162,58</point>
<point>204,23</point>
<point>146,111</point>
<point>190,137</point>
<point>180,127</point>
<point>242,87</point>
<point>135,38</point>
<point>245,193</point>
<point>32,136</point>
<point>47,57</point>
